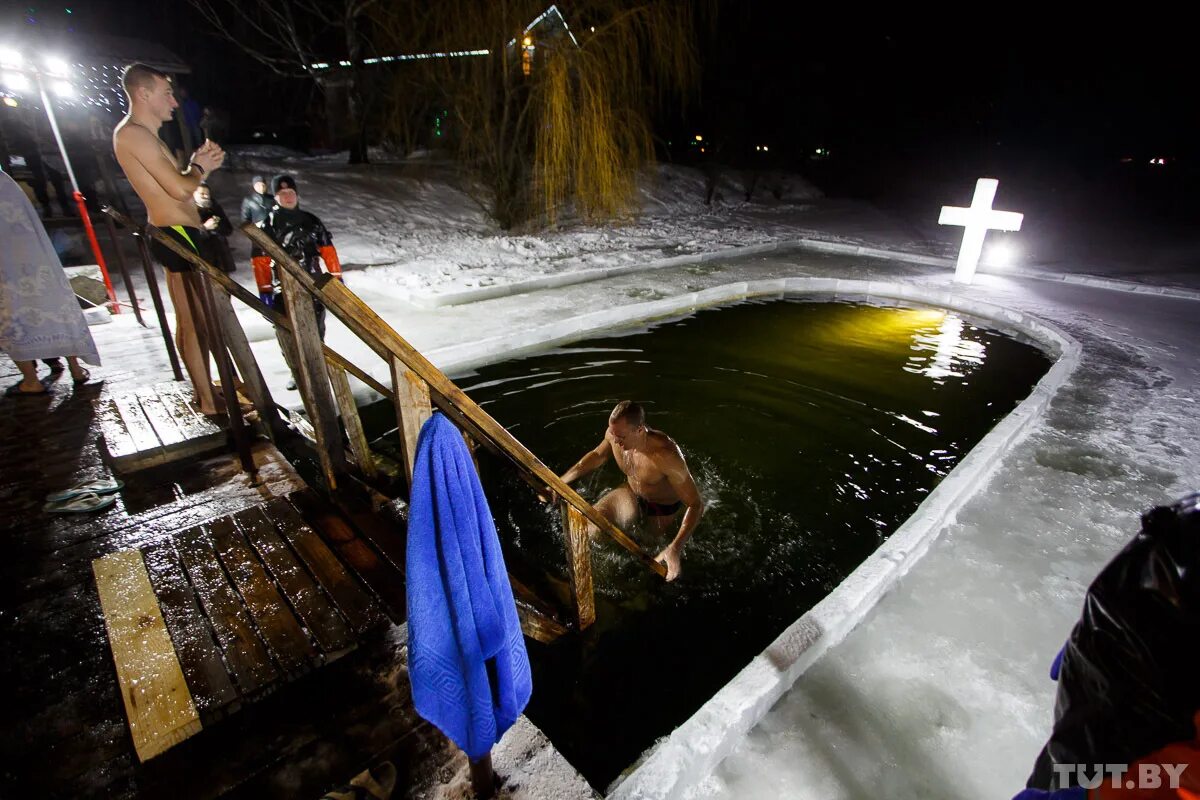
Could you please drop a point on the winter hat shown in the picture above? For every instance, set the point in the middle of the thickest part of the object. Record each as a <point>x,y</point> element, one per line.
<point>257,179</point>
<point>282,182</point>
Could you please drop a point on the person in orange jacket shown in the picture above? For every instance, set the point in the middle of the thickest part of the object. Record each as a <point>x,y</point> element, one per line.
<point>305,238</point>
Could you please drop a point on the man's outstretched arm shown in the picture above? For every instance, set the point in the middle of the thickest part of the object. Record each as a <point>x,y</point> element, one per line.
<point>592,461</point>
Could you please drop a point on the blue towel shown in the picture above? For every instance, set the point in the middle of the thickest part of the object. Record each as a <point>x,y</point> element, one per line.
<point>466,655</point>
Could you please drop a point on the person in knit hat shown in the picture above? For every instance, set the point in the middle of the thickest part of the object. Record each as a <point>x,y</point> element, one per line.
<point>303,236</point>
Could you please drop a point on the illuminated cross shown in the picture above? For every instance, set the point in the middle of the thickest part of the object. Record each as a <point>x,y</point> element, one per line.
<point>978,220</point>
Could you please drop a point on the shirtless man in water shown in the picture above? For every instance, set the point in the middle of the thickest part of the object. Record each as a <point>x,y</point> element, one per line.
<point>166,191</point>
<point>658,484</point>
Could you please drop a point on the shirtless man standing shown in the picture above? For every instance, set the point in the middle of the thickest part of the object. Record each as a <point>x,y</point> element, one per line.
<point>167,193</point>
<point>658,482</point>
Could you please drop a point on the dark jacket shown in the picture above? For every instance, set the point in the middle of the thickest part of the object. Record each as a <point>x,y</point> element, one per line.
<point>219,236</point>
<point>301,235</point>
<point>256,207</point>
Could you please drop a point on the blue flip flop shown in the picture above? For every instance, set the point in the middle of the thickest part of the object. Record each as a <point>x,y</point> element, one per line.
<point>98,486</point>
<point>81,504</point>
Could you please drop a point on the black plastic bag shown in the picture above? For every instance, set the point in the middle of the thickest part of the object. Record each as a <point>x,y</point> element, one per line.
<point>1130,677</point>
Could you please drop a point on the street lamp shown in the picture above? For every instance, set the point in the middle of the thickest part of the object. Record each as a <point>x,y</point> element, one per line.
<point>16,73</point>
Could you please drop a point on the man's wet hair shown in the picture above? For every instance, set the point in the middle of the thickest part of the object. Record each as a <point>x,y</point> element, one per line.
<point>630,411</point>
<point>140,76</point>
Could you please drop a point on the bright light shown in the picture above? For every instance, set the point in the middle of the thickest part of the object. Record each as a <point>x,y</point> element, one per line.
<point>1001,254</point>
<point>10,57</point>
<point>977,221</point>
<point>699,138</point>
<point>766,149</point>
<point>57,67</point>
<point>64,89</point>
<point>16,81</point>
<point>527,41</point>
<point>11,102</point>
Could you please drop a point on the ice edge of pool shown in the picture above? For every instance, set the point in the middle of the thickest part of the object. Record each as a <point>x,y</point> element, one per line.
<point>692,751</point>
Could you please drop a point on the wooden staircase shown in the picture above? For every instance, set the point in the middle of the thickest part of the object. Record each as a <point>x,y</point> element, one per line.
<point>227,612</point>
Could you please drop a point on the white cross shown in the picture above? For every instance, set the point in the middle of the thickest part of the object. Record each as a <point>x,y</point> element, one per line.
<point>978,220</point>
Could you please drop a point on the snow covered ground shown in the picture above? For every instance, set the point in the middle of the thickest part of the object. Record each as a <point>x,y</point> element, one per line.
<point>943,690</point>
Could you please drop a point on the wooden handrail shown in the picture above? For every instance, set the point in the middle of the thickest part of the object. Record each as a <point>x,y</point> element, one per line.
<point>362,320</point>
<point>245,295</point>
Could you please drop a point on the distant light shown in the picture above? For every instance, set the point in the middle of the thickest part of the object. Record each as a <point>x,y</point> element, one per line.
<point>57,67</point>
<point>701,149</point>
<point>593,29</point>
<point>1158,161</point>
<point>16,81</point>
<point>10,57</point>
<point>11,102</point>
<point>64,89</point>
<point>765,148</point>
<point>527,41</point>
<point>757,148</point>
<point>1001,254</point>
<point>344,63</point>
<point>699,138</point>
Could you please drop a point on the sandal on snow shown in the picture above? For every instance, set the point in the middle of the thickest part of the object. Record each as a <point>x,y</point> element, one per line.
<point>98,486</point>
<point>81,504</point>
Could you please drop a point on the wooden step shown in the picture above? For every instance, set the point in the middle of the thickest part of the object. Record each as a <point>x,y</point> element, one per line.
<point>154,425</point>
<point>156,696</point>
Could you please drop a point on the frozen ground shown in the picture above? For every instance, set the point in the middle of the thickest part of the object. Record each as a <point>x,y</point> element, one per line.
<point>943,690</point>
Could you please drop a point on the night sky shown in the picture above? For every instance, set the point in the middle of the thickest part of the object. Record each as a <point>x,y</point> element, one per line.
<point>893,97</point>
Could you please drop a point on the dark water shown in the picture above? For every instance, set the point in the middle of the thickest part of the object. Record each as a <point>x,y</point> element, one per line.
<point>813,430</point>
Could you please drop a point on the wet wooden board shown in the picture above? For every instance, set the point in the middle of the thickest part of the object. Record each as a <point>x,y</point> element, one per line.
<point>144,438</point>
<point>312,606</point>
<point>278,626</point>
<point>155,425</point>
<point>161,420</point>
<point>359,609</point>
<point>384,536</point>
<point>381,577</point>
<point>157,701</point>
<point>249,662</point>
<point>116,438</point>
<point>210,685</point>
<point>176,398</point>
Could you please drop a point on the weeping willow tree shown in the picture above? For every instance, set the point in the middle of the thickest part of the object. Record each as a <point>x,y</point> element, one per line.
<point>555,118</point>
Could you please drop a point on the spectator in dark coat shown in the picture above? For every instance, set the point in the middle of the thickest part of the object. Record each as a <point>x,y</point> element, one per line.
<point>215,224</point>
<point>258,204</point>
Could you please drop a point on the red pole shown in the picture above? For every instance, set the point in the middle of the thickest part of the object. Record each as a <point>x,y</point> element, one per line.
<point>91,234</point>
<point>83,215</point>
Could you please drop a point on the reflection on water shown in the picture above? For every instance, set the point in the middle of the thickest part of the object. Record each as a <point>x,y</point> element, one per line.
<point>953,355</point>
<point>812,430</point>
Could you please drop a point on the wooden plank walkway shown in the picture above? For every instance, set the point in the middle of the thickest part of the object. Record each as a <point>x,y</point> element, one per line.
<point>154,425</point>
<point>251,601</point>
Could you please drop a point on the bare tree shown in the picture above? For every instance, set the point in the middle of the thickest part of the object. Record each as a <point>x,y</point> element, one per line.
<point>291,37</point>
<point>553,117</point>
